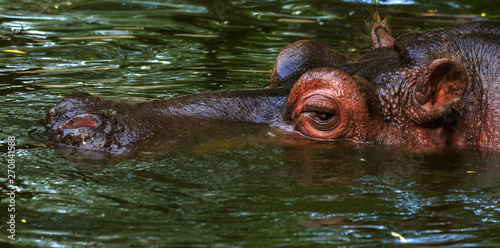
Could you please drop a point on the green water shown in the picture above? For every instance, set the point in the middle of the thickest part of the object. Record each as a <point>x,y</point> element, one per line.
<point>251,189</point>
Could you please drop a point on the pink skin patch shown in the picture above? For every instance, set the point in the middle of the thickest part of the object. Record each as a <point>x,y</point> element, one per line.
<point>80,121</point>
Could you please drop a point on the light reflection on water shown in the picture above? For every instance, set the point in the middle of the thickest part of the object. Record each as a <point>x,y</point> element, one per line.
<point>228,189</point>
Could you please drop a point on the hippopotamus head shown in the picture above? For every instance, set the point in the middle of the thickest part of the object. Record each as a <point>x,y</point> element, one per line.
<point>424,89</point>
<point>427,89</point>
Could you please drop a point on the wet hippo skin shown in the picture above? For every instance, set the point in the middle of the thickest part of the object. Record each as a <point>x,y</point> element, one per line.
<point>424,89</point>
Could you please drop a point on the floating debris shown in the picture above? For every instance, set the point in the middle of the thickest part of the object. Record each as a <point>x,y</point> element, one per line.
<point>293,20</point>
<point>397,235</point>
<point>14,51</point>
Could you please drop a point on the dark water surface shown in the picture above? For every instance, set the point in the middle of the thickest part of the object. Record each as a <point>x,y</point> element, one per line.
<point>253,190</point>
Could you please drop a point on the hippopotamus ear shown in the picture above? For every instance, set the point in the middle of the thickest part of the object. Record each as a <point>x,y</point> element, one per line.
<point>381,33</point>
<point>381,37</point>
<point>439,92</point>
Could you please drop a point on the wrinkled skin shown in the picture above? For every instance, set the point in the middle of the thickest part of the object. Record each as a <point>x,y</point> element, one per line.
<point>426,90</point>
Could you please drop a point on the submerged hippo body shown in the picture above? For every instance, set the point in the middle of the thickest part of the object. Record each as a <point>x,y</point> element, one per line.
<point>427,89</point>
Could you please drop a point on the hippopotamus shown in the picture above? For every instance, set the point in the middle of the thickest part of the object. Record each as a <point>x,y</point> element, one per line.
<point>425,90</point>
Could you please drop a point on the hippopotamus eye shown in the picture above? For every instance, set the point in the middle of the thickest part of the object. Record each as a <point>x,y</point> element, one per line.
<point>318,117</point>
<point>322,110</point>
<point>322,116</point>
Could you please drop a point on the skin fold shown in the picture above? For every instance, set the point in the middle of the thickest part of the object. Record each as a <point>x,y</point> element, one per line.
<point>425,90</point>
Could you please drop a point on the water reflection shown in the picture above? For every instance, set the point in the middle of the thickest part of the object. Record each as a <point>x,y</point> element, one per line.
<point>390,190</point>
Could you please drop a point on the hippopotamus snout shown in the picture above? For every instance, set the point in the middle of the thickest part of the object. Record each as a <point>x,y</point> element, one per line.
<point>73,123</point>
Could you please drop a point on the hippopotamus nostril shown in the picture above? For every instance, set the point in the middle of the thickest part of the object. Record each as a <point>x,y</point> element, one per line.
<point>84,120</point>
